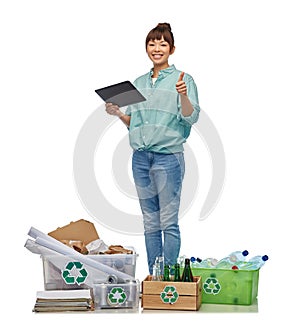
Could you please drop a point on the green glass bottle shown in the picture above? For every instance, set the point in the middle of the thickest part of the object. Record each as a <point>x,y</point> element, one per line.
<point>166,273</point>
<point>187,275</point>
<point>177,273</point>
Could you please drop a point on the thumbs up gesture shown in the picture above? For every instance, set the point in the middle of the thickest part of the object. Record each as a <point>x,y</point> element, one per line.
<point>180,85</point>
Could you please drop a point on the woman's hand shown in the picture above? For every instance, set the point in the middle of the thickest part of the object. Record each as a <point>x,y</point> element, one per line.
<point>181,86</point>
<point>186,105</point>
<point>112,109</point>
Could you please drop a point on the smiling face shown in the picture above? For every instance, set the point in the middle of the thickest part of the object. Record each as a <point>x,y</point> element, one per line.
<point>159,51</point>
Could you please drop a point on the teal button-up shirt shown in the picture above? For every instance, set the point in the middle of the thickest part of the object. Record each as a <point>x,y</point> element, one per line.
<point>157,124</point>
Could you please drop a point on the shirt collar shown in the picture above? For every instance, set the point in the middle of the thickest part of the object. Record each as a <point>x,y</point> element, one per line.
<point>164,72</point>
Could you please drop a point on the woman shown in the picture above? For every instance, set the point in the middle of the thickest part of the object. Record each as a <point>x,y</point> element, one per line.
<point>158,128</point>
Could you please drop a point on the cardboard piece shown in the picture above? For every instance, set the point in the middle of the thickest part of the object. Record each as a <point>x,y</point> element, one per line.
<point>81,230</point>
<point>118,249</point>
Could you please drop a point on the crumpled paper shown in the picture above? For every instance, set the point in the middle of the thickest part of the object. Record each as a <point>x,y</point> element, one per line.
<point>96,247</point>
<point>77,245</point>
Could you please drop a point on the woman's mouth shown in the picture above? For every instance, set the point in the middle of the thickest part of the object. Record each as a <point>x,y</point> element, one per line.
<point>157,56</point>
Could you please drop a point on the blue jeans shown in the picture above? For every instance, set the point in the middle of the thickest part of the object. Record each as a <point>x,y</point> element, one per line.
<point>158,180</point>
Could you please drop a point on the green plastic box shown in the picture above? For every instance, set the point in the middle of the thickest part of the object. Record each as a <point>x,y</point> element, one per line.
<point>224,286</point>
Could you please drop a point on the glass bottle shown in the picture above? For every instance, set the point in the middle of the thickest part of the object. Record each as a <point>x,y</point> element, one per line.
<point>156,275</point>
<point>166,273</point>
<point>187,275</point>
<point>177,272</point>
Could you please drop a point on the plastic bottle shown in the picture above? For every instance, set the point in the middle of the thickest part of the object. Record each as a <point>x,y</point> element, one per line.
<point>192,261</point>
<point>254,263</point>
<point>187,275</point>
<point>238,256</point>
<point>224,263</point>
<point>232,259</point>
<point>195,262</point>
<point>208,263</point>
<point>198,261</point>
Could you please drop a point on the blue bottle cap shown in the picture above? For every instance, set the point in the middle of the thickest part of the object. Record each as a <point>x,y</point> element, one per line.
<point>193,259</point>
<point>199,260</point>
<point>245,253</point>
<point>265,258</point>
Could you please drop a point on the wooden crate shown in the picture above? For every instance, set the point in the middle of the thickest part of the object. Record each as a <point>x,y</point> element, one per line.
<point>171,295</point>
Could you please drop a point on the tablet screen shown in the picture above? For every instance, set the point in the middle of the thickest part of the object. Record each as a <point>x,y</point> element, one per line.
<point>121,94</point>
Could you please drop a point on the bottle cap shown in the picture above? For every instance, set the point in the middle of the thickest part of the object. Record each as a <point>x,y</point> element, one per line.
<point>265,258</point>
<point>234,267</point>
<point>245,253</point>
<point>193,259</point>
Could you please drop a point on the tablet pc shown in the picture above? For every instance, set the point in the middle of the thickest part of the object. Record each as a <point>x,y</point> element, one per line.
<point>121,94</point>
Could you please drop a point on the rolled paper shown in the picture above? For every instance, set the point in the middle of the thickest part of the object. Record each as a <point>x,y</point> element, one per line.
<point>55,258</point>
<point>53,244</point>
<point>70,252</point>
<point>32,246</point>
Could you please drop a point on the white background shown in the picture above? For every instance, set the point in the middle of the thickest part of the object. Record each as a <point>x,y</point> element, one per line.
<point>244,57</point>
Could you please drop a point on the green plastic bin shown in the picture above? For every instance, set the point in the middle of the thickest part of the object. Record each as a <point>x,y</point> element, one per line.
<point>224,286</point>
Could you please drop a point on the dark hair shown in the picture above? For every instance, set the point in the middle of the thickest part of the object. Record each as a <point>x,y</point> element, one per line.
<point>161,30</point>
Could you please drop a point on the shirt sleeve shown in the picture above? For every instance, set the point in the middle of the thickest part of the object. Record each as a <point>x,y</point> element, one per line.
<point>129,107</point>
<point>192,93</point>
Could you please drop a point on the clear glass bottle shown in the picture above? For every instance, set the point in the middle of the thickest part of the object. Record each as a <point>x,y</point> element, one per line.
<point>157,269</point>
<point>156,275</point>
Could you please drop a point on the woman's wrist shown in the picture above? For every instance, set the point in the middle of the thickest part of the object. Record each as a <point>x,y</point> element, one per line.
<point>120,114</point>
<point>124,118</point>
